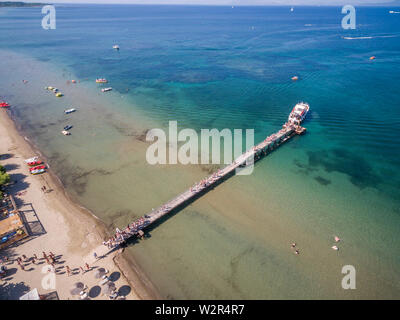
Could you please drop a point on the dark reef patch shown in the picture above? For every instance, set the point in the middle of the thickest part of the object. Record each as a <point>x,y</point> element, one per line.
<point>361,174</point>
<point>323,181</point>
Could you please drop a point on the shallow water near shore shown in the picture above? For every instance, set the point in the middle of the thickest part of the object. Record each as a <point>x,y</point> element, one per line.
<point>341,178</point>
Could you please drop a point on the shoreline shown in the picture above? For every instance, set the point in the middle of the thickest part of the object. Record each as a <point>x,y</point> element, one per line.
<point>23,147</point>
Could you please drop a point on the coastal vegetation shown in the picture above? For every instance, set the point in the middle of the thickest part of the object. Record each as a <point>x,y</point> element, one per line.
<point>4,179</point>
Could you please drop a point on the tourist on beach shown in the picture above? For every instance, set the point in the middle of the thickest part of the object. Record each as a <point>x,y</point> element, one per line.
<point>24,257</point>
<point>35,256</point>
<point>87,267</point>
<point>22,266</point>
<point>83,271</point>
<point>68,271</point>
<point>33,260</point>
<point>44,255</point>
<point>95,255</point>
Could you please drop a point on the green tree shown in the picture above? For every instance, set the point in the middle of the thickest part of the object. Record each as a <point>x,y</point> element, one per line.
<point>4,179</point>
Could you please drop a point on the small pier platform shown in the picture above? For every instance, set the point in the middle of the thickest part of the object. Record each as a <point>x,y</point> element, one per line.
<point>289,130</point>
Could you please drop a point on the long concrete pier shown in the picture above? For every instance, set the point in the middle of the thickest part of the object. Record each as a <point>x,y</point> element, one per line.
<point>249,157</point>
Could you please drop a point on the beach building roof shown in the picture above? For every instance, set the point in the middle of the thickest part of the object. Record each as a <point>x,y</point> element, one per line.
<point>31,295</point>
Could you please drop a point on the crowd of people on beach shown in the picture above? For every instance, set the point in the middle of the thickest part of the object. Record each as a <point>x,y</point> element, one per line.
<point>50,259</point>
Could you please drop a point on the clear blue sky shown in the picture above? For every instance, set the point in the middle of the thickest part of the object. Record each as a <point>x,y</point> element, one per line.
<point>221,2</point>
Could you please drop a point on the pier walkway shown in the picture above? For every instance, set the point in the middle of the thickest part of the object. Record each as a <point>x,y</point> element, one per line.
<point>249,157</point>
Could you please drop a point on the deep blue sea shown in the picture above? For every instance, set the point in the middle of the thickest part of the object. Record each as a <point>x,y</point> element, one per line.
<point>223,67</point>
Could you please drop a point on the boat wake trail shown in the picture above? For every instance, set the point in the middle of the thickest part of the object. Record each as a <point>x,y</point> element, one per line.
<point>370,37</point>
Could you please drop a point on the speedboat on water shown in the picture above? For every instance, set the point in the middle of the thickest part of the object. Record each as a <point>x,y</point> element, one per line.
<point>106,89</point>
<point>34,163</point>
<point>298,113</point>
<point>69,110</point>
<point>66,133</point>
<point>31,159</point>
<point>38,171</point>
<point>101,80</point>
<point>116,47</point>
<point>67,127</point>
<point>37,168</point>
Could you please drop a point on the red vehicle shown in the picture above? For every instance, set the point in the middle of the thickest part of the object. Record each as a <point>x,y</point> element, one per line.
<point>35,163</point>
<point>37,168</point>
<point>4,104</point>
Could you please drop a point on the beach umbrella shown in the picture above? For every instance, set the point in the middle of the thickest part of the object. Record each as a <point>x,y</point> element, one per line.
<point>75,291</point>
<point>79,285</point>
<point>99,273</point>
<point>109,287</point>
<point>77,288</point>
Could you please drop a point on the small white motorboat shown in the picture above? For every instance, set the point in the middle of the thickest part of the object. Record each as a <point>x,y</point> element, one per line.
<point>66,133</point>
<point>106,89</point>
<point>116,47</point>
<point>69,110</point>
<point>335,248</point>
<point>33,159</point>
<point>337,239</point>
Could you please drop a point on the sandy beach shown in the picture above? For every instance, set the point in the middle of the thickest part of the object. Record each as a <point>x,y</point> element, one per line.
<point>55,224</point>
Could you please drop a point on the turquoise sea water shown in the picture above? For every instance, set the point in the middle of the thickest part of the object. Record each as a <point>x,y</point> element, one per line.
<point>218,67</point>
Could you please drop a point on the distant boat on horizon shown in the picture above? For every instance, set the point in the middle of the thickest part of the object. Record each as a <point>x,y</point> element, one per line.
<point>391,11</point>
<point>291,9</point>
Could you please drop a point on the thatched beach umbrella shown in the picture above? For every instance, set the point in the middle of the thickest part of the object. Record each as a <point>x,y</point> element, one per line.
<point>75,291</point>
<point>99,273</point>
<point>109,288</point>
<point>79,285</point>
<point>77,288</point>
